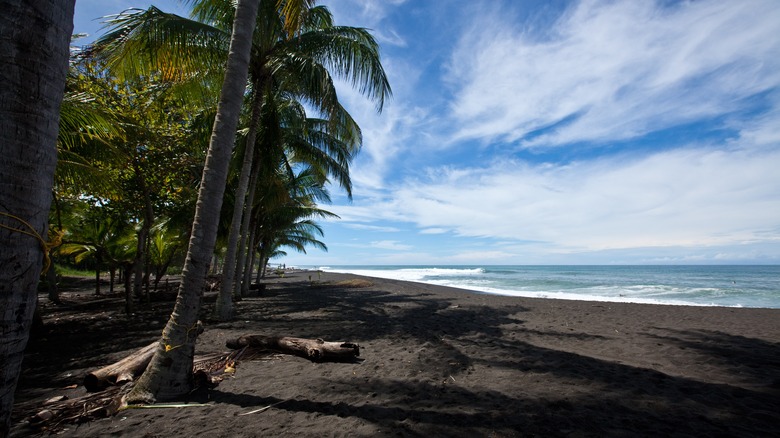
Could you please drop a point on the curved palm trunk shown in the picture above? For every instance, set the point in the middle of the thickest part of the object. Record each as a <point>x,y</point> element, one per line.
<point>241,283</point>
<point>170,372</point>
<point>250,263</point>
<point>35,63</point>
<point>223,310</point>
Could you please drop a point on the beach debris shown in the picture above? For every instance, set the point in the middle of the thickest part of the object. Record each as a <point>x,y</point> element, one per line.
<point>316,350</point>
<point>263,409</point>
<point>123,371</point>
<point>107,386</point>
<point>167,406</point>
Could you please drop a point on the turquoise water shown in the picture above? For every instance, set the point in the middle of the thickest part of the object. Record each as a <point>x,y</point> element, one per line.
<point>734,286</point>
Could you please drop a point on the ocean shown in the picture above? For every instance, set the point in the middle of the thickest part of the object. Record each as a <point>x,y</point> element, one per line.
<point>714,285</point>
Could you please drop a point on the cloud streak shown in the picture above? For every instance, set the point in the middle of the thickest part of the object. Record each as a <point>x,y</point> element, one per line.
<point>682,198</point>
<point>597,82</point>
<point>612,70</point>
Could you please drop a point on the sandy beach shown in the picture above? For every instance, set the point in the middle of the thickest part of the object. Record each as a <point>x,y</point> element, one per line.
<point>436,361</point>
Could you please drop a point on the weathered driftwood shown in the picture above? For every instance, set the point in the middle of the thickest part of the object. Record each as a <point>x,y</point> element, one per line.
<point>120,372</point>
<point>207,370</point>
<point>313,349</point>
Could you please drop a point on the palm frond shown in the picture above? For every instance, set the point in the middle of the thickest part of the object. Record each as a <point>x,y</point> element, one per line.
<point>146,42</point>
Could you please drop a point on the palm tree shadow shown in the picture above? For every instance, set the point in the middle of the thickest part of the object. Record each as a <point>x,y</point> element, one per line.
<point>607,397</point>
<point>755,361</point>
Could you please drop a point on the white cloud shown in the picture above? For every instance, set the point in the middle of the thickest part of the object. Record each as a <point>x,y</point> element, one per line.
<point>434,230</point>
<point>369,14</point>
<point>485,257</point>
<point>390,244</point>
<point>612,70</point>
<point>364,227</point>
<point>682,198</point>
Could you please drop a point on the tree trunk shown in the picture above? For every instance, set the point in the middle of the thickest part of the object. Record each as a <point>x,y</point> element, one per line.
<point>223,310</point>
<point>250,263</point>
<point>98,261</point>
<point>34,39</point>
<point>241,266</point>
<point>126,370</point>
<point>129,304</point>
<point>51,284</point>
<point>143,237</point>
<point>262,267</point>
<point>112,278</point>
<point>170,372</point>
<point>315,350</point>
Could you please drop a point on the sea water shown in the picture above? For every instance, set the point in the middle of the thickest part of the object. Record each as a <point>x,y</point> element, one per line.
<point>715,285</point>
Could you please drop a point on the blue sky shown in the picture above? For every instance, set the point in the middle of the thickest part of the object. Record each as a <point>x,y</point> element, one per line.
<point>559,132</point>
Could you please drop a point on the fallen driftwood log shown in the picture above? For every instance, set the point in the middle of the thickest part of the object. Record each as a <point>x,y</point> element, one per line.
<point>316,350</point>
<point>121,372</point>
<point>106,388</point>
<point>132,366</point>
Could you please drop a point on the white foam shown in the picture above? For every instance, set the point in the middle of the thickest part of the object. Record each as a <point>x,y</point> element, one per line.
<point>640,293</point>
<point>409,274</point>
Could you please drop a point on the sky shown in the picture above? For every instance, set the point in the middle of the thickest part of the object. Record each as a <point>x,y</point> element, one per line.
<point>557,132</point>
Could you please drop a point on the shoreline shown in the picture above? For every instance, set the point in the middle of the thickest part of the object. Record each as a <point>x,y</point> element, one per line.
<point>578,293</point>
<point>441,361</point>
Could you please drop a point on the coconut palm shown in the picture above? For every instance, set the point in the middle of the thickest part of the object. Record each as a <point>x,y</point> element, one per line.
<point>288,219</point>
<point>292,141</point>
<point>35,64</point>
<point>169,373</point>
<point>297,60</point>
<point>92,238</point>
<point>166,244</point>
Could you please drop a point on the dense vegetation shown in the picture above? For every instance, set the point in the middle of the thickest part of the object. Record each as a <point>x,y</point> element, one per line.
<point>183,144</point>
<point>136,123</point>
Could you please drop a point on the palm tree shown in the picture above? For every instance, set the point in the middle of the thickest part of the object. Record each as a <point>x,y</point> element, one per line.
<point>35,64</point>
<point>288,220</point>
<point>169,374</point>
<point>295,140</point>
<point>91,239</point>
<point>293,59</point>
<point>165,245</point>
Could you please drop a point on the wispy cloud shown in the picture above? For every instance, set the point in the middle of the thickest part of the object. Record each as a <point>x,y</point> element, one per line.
<point>377,228</point>
<point>369,14</point>
<point>680,198</point>
<point>612,70</point>
<point>391,245</point>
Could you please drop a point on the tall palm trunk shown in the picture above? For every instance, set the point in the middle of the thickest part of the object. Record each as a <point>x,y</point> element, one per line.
<point>241,280</point>
<point>170,372</point>
<point>250,263</point>
<point>224,306</point>
<point>34,39</point>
